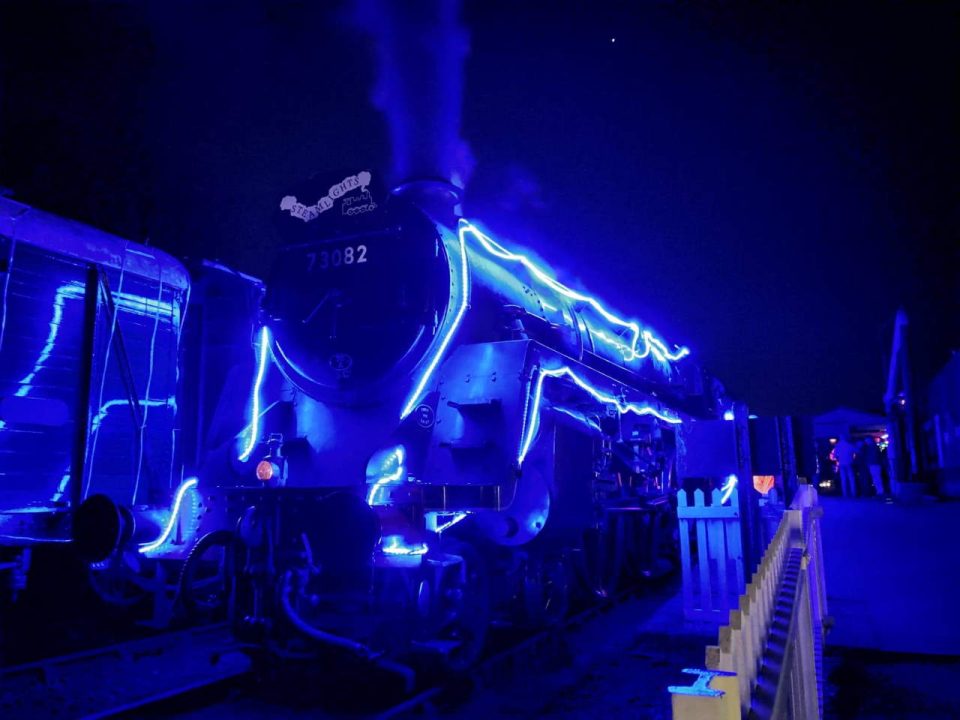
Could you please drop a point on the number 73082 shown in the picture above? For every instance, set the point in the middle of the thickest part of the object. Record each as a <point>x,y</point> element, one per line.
<point>349,255</point>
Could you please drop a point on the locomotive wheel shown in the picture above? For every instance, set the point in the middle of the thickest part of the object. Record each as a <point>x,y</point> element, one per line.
<point>604,556</point>
<point>467,596</point>
<point>546,591</point>
<point>207,573</point>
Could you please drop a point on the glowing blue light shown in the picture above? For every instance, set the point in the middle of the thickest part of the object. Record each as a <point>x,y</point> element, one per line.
<point>75,291</point>
<point>533,421</point>
<point>396,476</point>
<point>421,384</point>
<point>141,305</point>
<point>728,415</point>
<point>172,520</point>
<point>98,419</point>
<point>457,517</point>
<point>580,418</point>
<point>28,539</point>
<point>70,290</point>
<point>727,490</point>
<point>659,349</point>
<point>395,545</point>
<point>652,344</point>
<point>255,407</point>
<point>290,362</point>
<point>101,415</point>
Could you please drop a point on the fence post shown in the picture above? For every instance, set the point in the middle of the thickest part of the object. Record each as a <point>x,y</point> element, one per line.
<point>714,695</point>
<point>686,561</point>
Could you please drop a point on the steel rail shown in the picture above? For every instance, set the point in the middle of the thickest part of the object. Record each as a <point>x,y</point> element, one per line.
<point>86,684</point>
<point>526,647</point>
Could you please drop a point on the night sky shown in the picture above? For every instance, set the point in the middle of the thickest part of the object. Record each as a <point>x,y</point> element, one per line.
<point>764,184</point>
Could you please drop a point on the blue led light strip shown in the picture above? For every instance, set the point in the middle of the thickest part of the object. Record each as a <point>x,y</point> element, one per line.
<point>255,414</point>
<point>98,419</point>
<point>652,344</point>
<point>451,330</point>
<point>457,517</point>
<point>727,489</point>
<point>75,291</point>
<point>172,520</point>
<point>397,546</point>
<point>393,477</point>
<point>70,290</point>
<point>28,539</point>
<point>533,417</point>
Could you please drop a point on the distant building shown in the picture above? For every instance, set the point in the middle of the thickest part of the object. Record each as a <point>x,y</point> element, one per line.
<point>847,422</point>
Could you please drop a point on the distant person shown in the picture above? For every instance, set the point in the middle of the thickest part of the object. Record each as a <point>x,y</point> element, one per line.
<point>871,458</point>
<point>844,453</point>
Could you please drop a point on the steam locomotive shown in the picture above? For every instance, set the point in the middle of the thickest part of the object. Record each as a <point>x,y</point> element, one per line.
<point>408,430</point>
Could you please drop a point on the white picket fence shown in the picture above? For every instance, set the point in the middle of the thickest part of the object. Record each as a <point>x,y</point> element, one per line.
<point>768,662</point>
<point>713,579</point>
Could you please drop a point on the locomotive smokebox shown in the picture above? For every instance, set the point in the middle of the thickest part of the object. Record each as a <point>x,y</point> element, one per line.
<point>439,199</point>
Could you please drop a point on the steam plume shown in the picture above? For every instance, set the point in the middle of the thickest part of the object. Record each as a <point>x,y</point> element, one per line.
<point>421,47</point>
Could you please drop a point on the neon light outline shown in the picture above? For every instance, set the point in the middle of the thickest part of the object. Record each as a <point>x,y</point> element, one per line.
<point>652,344</point>
<point>74,291</point>
<point>457,517</point>
<point>71,290</point>
<point>415,396</point>
<point>393,477</point>
<point>257,383</point>
<point>727,489</point>
<point>531,427</point>
<point>397,546</point>
<point>25,538</point>
<point>580,418</point>
<point>97,420</point>
<point>174,513</point>
<point>296,368</point>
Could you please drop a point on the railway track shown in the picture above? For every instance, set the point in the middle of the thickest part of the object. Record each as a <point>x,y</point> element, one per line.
<point>505,663</point>
<point>108,681</point>
<point>177,674</point>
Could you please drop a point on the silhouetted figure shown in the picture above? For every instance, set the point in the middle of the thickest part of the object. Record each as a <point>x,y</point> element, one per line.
<point>871,458</point>
<point>844,453</point>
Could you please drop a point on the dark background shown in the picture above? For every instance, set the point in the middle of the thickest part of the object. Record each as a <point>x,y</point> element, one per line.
<point>766,184</point>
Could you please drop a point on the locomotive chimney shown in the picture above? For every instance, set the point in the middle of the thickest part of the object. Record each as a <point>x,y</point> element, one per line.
<point>420,52</point>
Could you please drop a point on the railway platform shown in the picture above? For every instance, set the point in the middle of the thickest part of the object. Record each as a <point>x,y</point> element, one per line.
<point>893,581</point>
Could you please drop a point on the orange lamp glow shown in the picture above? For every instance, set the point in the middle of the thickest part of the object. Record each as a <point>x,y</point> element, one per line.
<point>265,470</point>
<point>764,483</point>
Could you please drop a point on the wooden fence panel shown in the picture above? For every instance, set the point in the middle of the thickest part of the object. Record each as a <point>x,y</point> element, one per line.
<point>711,554</point>
<point>769,655</point>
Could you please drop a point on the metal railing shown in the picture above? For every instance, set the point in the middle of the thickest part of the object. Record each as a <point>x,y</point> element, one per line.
<point>769,658</point>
